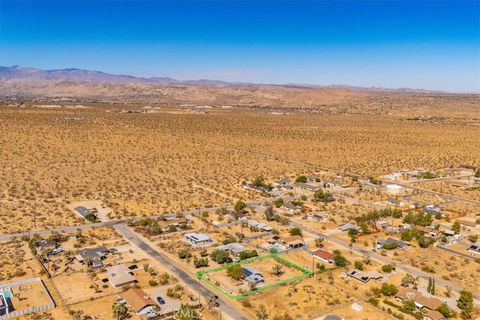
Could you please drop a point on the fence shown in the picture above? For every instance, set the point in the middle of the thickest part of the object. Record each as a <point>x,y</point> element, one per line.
<point>17,313</point>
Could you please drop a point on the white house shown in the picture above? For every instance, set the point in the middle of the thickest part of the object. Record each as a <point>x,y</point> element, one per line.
<point>198,239</point>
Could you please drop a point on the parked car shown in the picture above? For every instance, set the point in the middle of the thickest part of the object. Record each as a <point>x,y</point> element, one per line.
<point>160,300</point>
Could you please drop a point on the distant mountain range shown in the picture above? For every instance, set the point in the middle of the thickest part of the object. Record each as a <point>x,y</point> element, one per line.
<point>79,75</point>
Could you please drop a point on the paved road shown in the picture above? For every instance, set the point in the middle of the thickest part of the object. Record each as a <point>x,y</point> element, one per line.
<point>444,195</point>
<point>188,279</point>
<point>111,223</point>
<point>456,252</point>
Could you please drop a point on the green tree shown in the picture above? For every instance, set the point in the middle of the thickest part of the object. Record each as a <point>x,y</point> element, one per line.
<point>409,305</point>
<point>445,310</point>
<point>240,206</point>
<point>432,291</point>
<point>358,265</point>
<point>219,256</point>
<point>302,179</point>
<point>387,268</point>
<point>339,259</point>
<point>120,311</point>
<point>295,232</point>
<point>235,272</point>
<point>429,286</point>
<point>456,227</point>
<point>278,202</point>
<point>388,289</point>
<point>465,304</point>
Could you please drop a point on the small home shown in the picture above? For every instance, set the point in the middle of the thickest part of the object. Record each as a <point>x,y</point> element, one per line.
<point>391,243</point>
<point>198,239</point>
<point>308,187</point>
<point>323,255</point>
<point>315,216</point>
<point>348,226</point>
<point>282,182</point>
<point>421,301</point>
<point>396,202</point>
<point>120,275</point>
<point>251,186</point>
<point>5,305</point>
<point>292,208</point>
<point>474,248</point>
<point>259,226</point>
<point>364,276</point>
<point>252,275</point>
<point>294,242</point>
<point>93,257</point>
<point>234,248</point>
<point>434,210</point>
<point>138,301</point>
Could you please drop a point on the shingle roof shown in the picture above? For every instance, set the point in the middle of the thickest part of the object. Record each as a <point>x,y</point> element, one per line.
<point>137,299</point>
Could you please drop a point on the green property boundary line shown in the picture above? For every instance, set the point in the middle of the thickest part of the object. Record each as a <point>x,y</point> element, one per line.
<point>306,273</point>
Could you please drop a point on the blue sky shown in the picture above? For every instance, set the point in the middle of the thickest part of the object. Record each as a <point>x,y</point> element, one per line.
<point>424,44</point>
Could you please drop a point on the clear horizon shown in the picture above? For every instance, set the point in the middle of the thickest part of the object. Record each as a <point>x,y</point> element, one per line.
<point>432,45</point>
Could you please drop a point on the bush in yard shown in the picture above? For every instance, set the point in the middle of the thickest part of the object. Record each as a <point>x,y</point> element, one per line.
<point>219,256</point>
<point>387,268</point>
<point>388,289</point>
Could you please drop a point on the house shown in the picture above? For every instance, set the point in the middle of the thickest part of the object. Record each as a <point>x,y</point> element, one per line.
<point>382,224</point>
<point>198,239</point>
<point>120,275</point>
<point>93,256</point>
<point>252,275</point>
<point>323,255</point>
<point>5,305</point>
<point>393,176</point>
<point>332,184</point>
<point>315,216</point>
<point>364,276</point>
<point>421,301</point>
<point>169,217</point>
<point>259,226</point>
<point>348,226</point>
<point>396,202</point>
<point>282,183</point>
<point>294,242</point>
<point>235,248</point>
<point>434,210</point>
<point>474,248</point>
<point>390,243</point>
<point>309,187</point>
<point>292,208</point>
<point>82,211</point>
<point>251,186</point>
<point>45,244</point>
<point>138,301</point>
<point>433,315</point>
